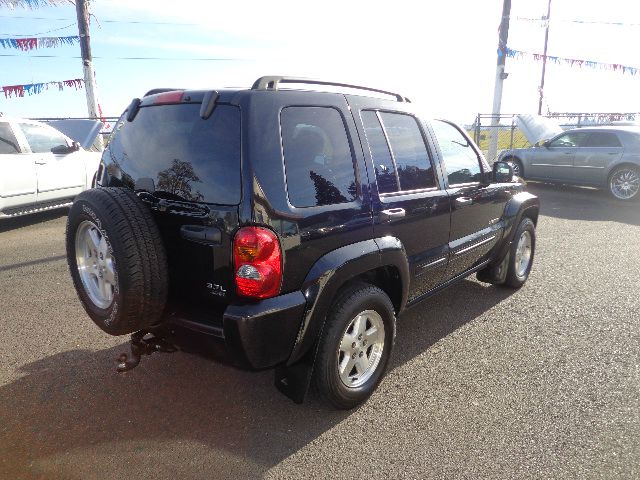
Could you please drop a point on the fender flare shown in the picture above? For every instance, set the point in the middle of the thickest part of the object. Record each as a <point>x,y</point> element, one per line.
<point>517,206</point>
<point>336,268</point>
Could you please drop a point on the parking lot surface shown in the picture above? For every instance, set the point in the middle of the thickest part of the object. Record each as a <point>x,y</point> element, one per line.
<point>483,383</point>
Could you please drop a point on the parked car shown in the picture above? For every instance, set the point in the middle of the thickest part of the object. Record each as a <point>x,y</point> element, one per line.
<point>602,157</point>
<point>293,225</point>
<point>41,167</point>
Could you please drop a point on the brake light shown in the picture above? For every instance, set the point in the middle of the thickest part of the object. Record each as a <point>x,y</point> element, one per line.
<point>257,260</point>
<point>174,96</point>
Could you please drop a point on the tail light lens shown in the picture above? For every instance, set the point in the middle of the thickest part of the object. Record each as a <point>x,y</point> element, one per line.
<point>257,260</point>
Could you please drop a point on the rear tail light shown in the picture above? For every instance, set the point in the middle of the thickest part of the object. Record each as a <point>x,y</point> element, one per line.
<point>257,260</point>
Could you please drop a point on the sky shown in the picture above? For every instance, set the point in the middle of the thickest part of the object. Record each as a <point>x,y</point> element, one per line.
<point>442,55</point>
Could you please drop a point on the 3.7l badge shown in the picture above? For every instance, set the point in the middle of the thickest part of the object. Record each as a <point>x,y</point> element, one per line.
<point>217,290</point>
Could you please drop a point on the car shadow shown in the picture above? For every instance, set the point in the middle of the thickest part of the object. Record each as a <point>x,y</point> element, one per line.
<point>7,224</point>
<point>74,401</point>
<point>583,203</point>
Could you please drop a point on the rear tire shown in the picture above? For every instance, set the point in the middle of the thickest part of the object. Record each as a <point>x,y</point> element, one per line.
<point>624,183</point>
<point>356,343</point>
<point>117,260</point>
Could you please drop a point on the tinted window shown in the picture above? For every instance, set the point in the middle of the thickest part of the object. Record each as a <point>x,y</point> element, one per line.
<point>8,143</point>
<point>42,139</point>
<point>187,158</point>
<point>409,151</point>
<point>382,161</point>
<point>317,157</point>
<point>571,139</point>
<point>460,159</point>
<point>602,139</point>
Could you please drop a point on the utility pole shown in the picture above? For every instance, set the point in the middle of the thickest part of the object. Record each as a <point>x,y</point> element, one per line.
<point>544,58</point>
<point>503,35</point>
<point>82,12</point>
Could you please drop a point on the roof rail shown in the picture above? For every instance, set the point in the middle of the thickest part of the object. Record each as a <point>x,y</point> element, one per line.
<point>161,90</point>
<point>271,82</point>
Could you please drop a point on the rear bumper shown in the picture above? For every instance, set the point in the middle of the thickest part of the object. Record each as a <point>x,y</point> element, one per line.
<point>257,335</point>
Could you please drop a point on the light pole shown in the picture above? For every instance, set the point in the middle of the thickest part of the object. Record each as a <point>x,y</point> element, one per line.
<point>544,58</point>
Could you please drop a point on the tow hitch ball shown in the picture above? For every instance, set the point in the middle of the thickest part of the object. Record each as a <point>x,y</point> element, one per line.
<point>143,343</point>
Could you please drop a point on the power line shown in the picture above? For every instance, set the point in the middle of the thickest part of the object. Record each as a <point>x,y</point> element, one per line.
<point>36,34</point>
<point>103,21</point>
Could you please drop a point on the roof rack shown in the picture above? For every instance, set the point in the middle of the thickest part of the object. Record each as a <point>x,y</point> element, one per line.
<point>271,82</point>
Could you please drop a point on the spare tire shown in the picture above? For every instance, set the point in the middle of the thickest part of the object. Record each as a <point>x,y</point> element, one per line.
<point>117,260</point>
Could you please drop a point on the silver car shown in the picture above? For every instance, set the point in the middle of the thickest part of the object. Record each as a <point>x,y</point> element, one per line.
<point>602,157</point>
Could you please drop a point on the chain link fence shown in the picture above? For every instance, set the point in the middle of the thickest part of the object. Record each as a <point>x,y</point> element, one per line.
<point>509,135</point>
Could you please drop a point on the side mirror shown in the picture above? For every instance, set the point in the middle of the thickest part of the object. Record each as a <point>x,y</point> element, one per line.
<point>502,172</point>
<point>65,149</point>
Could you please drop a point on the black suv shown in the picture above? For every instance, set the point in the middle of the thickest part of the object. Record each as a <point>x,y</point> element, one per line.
<point>295,225</point>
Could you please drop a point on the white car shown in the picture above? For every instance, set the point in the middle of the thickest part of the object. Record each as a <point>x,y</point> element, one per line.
<point>40,168</point>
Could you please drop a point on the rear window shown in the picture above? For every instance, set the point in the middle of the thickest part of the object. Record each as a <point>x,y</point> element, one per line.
<point>187,158</point>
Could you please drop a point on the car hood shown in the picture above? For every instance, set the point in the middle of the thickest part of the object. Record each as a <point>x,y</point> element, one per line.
<point>82,131</point>
<point>537,128</point>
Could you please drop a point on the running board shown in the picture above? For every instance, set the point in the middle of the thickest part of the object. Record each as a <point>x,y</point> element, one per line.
<point>35,208</point>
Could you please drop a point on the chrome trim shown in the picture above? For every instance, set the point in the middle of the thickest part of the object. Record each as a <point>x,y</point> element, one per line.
<point>548,165</point>
<point>589,166</point>
<point>475,245</point>
<point>421,269</point>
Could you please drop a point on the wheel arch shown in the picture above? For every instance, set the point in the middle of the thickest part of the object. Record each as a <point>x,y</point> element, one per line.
<point>381,262</point>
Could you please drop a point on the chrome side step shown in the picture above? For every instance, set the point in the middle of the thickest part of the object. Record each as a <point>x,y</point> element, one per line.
<point>35,208</point>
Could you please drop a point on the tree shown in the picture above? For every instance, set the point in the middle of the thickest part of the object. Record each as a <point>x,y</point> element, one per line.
<point>177,180</point>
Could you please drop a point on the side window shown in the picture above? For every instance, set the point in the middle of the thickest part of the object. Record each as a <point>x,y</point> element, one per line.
<point>8,142</point>
<point>42,139</point>
<point>571,139</point>
<point>382,161</point>
<point>602,139</point>
<point>409,151</point>
<point>403,163</point>
<point>317,157</point>
<point>460,159</point>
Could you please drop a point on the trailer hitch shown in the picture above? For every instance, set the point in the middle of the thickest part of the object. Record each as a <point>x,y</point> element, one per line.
<point>143,342</point>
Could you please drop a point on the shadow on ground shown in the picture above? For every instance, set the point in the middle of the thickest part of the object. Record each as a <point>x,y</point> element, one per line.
<point>75,402</point>
<point>580,203</point>
<point>7,224</point>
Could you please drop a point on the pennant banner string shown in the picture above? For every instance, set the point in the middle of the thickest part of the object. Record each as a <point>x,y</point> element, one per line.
<point>543,21</point>
<point>32,4</point>
<point>33,43</point>
<point>35,88</point>
<point>570,61</point>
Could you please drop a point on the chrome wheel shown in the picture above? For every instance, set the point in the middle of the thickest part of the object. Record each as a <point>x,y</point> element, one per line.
<point>523,253</point>
<point>95,264</point>
<point>361,348</point>
<point>625,183</point>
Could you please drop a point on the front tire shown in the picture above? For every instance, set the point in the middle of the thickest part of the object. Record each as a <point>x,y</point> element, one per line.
<point>516,165</point>
<point>355,346</point>
<point>521,254</point>
<point>624,183</point>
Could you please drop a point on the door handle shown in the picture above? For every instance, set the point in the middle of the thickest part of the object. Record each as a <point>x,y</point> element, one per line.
<point>568,153</point>
<point>387,215</point>
<point>463,201</point>
<point>41,162</point>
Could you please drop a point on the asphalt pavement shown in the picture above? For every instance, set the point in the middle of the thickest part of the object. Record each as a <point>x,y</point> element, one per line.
<point>483,383</point>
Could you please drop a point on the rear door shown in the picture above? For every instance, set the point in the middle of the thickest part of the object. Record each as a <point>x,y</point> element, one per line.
<point>18,184</point>
<point>591,162</point>
<point>477,207</point>
<point>555,160</point>
<point>409,201</point>
<point>59,175</point>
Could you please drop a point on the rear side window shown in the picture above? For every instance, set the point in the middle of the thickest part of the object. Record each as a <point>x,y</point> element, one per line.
<point>187,158</point>
<point>460,159</point>
<point>317,157</point>
<point>42,139</point>
<point>398,151</point>
<point>602,139</point>
<point>8,142</point>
